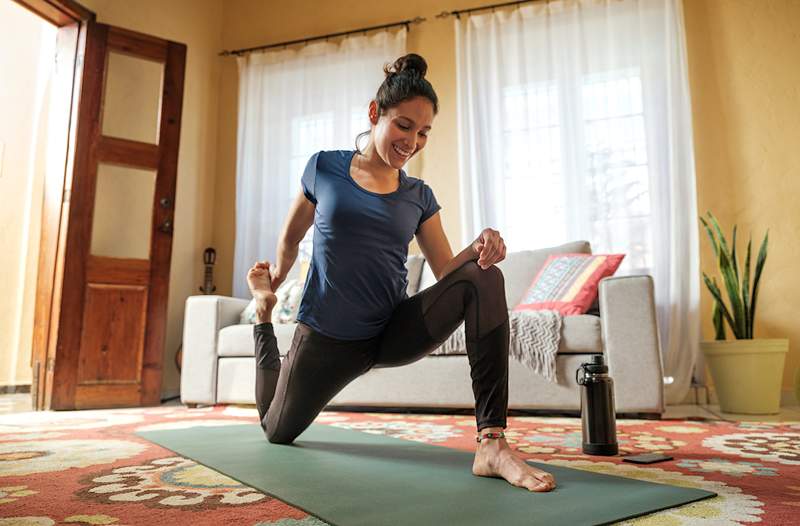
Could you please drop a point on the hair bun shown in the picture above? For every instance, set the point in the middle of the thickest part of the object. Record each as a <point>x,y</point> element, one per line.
<point>411,64</point>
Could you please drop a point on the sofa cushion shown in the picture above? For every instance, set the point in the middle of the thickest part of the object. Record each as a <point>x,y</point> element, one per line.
<point>426,278</point>
<point>519,268</point>
<point>237,340</point>
<point>568,283</point>
<point>579,335</point>
<point>414,266</point>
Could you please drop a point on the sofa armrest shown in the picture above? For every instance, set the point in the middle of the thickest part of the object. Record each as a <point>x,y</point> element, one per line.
<point>203,318</point>
<point>630,341</point>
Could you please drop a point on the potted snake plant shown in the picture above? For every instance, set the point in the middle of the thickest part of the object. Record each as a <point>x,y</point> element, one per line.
<point>747,371</point>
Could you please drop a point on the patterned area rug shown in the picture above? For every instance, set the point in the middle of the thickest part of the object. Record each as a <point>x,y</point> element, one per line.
<point>88,467</point>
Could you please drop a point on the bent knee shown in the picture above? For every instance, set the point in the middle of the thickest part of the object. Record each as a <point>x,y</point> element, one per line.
<point>277,434</point>
<point>278,438</point>
<point>490,278</point>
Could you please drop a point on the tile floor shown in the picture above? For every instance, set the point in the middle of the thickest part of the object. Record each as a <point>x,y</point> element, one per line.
<point>21,402</point>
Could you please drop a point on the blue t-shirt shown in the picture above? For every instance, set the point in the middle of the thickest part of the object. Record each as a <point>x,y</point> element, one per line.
<point>357,274</point>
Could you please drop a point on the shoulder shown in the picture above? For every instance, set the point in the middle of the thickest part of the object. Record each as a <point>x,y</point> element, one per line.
<point>418,186</point>
<point>331,159</point>
<point>414,182</point>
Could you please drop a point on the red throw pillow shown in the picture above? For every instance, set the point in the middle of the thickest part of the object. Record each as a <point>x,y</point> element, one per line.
<point>567,283</point>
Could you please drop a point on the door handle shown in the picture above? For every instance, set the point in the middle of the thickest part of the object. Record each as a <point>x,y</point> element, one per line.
<point>166,227</point>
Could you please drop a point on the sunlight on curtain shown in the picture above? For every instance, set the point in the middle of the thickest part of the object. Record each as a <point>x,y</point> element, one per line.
<point>575,123</point>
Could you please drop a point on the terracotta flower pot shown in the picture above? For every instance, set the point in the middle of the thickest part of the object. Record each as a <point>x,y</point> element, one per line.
<point>747,373</point>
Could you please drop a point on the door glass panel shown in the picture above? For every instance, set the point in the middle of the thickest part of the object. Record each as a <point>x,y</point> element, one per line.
<point>132,98</point>
<point>123,212</point>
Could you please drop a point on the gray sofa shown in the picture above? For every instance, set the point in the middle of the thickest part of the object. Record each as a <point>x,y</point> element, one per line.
<point>218,363</point>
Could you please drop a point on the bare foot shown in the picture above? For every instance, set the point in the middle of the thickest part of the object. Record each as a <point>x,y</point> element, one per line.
<point>494,458</point>
<point>258,279</point>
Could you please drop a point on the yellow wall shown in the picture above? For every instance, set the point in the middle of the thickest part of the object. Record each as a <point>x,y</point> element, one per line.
<point>195,23</point>
<point>23,129</point>
<point>744,79</point>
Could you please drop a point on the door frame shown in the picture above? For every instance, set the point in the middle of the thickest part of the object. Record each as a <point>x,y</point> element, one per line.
<point>58,12</point>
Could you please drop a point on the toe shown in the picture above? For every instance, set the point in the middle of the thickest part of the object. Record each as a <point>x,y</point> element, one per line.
<point>537,485</point>
<point>540,474</point>
<point>541,480</point>
<point>546,477</point>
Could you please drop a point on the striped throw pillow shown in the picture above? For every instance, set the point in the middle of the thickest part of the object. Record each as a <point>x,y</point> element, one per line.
<point>567,283</point>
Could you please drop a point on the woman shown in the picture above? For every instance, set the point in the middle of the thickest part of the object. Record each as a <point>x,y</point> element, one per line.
<point>355,313</point>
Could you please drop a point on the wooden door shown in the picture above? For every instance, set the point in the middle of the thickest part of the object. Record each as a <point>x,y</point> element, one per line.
<point>104,340</point>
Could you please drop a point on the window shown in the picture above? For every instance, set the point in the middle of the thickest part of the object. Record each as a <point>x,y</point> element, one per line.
<point>586,147</point>
<point>617,167</point>
<point>533,181</point>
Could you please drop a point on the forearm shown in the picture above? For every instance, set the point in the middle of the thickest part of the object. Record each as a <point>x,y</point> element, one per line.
<point>468,254</point>
<point>287,254</point>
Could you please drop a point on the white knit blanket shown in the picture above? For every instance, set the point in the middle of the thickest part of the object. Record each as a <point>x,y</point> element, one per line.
<point>535,335</point>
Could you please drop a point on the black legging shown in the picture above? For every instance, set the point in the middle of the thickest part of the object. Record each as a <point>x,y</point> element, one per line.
<point>290,395</point>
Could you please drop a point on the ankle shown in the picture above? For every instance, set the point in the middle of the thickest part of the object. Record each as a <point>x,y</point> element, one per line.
<point>491,429</point>
<point>263,314</point>
<point>496,438</point>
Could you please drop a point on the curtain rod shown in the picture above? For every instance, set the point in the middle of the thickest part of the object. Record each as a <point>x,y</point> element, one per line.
<point>243,51</point>
<point>457,14</point>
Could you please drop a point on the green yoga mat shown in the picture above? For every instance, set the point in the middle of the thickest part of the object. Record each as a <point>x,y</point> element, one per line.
<point>350,478</point>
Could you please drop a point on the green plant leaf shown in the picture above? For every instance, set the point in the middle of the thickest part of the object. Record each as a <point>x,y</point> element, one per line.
<point>730,279</point>
<point>746,293</point>
<point>733,255</point>
<point>711,236</point>
<point>712,286</point>
<point>719,321</point>
<point>762,258</point>
<point>735,298</point>
<point>723,245</point>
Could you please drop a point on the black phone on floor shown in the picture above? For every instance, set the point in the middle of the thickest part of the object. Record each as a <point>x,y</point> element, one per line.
<point>647,458</point>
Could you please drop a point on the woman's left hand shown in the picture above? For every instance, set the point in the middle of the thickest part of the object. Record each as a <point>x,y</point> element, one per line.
<point>489,248</point>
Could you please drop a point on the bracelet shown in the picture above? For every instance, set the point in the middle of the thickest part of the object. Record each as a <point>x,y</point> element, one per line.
<point>498,434</point>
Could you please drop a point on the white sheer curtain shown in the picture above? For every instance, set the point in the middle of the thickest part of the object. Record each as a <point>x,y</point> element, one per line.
<point>575,123</point>
<point>293,103</point>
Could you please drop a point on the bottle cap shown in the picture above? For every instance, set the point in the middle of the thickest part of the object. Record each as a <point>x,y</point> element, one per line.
<point>597,365</point>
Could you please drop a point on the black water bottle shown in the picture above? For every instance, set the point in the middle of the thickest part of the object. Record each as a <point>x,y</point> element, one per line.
<point>598,422</point>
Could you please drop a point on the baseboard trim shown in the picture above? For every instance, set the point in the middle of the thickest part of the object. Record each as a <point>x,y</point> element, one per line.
<point>707,395</point>
<point>170,394</point>
<point>11,389</point>
<point>696,395</point>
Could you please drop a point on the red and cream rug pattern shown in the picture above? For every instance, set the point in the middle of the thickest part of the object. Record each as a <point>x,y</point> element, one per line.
<point>89,468</point>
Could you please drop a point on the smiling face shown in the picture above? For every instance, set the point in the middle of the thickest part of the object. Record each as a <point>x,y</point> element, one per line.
<point>401,131</point>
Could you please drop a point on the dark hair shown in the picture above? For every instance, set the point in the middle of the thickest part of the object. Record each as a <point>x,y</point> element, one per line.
<point>405,79</point>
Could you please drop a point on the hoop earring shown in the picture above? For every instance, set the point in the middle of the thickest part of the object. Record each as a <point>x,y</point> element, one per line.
<point>359,137</point>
